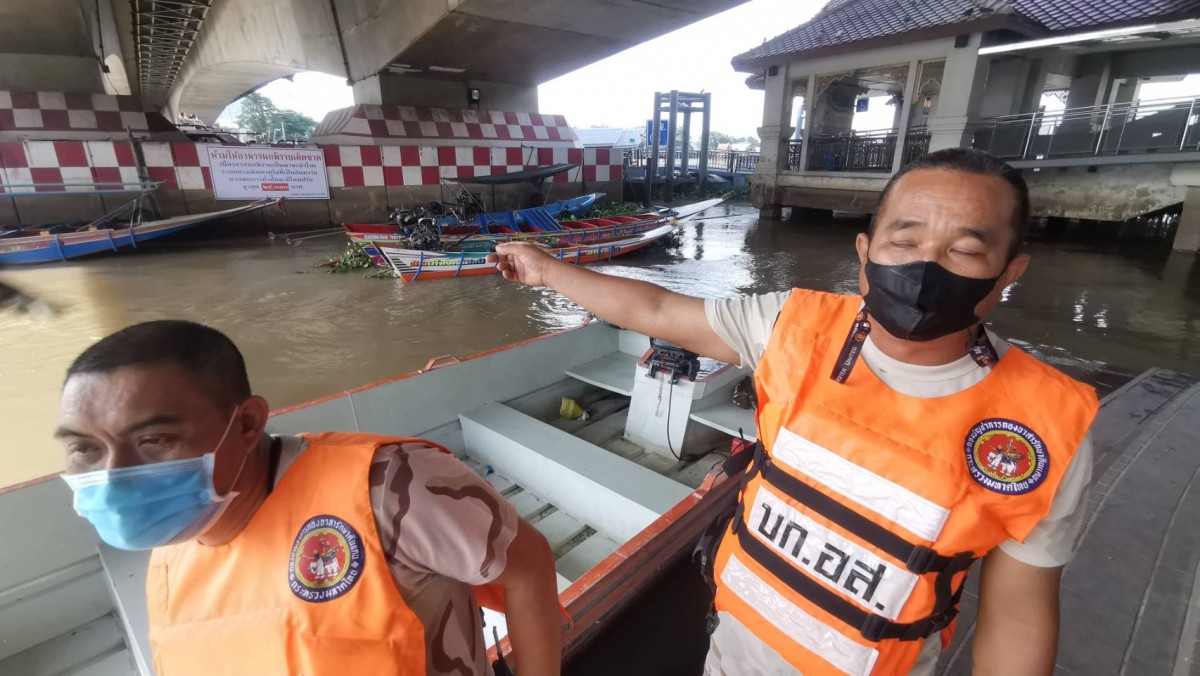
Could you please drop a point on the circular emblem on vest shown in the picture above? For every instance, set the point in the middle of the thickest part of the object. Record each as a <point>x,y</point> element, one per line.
<point>326,561</point>
<point>1006,457</point>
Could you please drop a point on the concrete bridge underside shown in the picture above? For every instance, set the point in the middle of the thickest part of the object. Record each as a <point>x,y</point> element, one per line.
<point>385,47</point>
<point>59,45</point>
<point>503,47</point>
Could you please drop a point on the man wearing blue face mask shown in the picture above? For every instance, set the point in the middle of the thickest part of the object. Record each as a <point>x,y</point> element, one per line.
<point>283,555</point>
<point>901,441</point>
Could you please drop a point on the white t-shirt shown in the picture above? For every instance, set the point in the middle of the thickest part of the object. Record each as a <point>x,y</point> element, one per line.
<point>745,324</point>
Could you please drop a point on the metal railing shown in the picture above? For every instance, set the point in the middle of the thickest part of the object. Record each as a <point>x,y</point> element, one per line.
<point>916,144</point>
<point>721,160</point>
<point>795,152</point>
<point>1151,126</point>
<point>853,151</point>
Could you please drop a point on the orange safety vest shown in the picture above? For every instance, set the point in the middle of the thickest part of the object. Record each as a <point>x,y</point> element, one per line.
<point>857,524</point>
<point>305,588</point>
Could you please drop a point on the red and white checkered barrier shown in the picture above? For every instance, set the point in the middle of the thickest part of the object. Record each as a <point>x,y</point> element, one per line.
<point>409,125</point>
<point>67,166</point>
<point>83,117</point>
<point>374,166</point>
<point>39,166</point>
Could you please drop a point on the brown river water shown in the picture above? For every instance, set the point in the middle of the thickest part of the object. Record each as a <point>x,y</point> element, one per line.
<point>1102,313</point>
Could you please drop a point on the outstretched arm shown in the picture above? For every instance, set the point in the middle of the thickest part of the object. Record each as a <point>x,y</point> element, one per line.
<point>628,303</point>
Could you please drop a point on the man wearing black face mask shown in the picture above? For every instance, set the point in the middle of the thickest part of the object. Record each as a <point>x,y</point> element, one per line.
<point>902,440</point>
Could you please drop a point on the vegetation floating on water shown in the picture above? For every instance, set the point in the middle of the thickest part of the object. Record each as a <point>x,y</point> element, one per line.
<point>610,209</point>
<point>352,259</point>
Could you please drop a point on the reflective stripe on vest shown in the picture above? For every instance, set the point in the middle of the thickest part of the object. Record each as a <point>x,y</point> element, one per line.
<point>858,522</point>
<point>858,485</point>
<point>305,588</point>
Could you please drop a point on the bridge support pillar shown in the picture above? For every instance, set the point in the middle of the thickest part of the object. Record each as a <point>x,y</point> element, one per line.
<point>1187,236</point>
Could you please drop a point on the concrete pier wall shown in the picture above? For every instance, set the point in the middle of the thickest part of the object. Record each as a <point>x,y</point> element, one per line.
<point>1111,193</point>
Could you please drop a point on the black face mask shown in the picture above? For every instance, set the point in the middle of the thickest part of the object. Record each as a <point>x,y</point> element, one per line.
<point>923,301</point>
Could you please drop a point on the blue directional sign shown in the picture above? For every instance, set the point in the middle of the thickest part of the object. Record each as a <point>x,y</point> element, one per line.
<point>662,132</point>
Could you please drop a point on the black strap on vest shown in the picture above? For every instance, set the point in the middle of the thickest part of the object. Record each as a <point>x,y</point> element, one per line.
<point>872,627</point>
<point>919,559</point>
<point>705,552</point>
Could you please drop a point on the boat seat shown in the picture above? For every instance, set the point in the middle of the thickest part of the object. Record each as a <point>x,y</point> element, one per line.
<point>728,418</point>
<point>616,496</point>
<point>614,372</point>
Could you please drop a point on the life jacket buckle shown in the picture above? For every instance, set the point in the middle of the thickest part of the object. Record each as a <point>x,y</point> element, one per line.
<point>940,621</point>
<point>920,561</point>
<point>873,628</point>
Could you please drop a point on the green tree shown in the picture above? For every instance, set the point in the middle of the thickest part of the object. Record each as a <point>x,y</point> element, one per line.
<point>296,126</point>
<point>257,114</point>
<point>715,137</point>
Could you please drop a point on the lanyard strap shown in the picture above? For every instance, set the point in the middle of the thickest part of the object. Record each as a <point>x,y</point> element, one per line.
<point>852,347</point>
<point>979,347</point>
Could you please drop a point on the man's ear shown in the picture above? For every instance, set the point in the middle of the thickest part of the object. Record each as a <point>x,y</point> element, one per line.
<point>1016,267</point>
<point>252,420</point>
<point>862,244</point>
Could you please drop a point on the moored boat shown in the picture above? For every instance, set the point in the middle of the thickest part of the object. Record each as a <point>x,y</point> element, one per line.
<point>413,265</point>
<point>568,232</point>
<point>51,245</point>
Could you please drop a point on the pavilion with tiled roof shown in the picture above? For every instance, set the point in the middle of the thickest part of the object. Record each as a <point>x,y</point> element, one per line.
<point>949,73</point>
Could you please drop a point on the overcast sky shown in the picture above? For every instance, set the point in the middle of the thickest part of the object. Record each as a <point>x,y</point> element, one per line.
<point>619,91</point>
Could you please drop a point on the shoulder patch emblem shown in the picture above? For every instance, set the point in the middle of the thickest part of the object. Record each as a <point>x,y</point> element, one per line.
<point>326,560</point>
<point>1006,457</point>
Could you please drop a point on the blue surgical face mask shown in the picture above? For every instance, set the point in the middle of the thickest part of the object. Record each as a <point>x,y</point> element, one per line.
<point>152,505</point>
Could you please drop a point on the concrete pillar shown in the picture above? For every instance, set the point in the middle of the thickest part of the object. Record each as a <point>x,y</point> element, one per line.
<point>904,111</point>
<point>961,93</point>
<point>1187,235</point>
<point>1035,86</point>
<point>809,96</point>
<point>406,90</point>
<point>775,130</point>
<point>1124,90</point>
<point>1006,81</point>
<point>1091,81</point>
<point>774,133</point>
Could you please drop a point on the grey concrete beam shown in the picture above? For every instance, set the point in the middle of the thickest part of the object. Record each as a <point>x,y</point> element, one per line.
<point>524,42</point>
<point>246,43</point>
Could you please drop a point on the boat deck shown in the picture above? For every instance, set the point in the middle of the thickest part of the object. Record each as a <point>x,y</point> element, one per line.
<point>646,480</point>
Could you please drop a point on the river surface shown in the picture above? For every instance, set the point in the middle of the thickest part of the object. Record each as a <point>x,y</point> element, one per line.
<point>1100,313</point>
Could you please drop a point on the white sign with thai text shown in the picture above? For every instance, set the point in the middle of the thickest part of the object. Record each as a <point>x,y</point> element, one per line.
<point>240,173</point>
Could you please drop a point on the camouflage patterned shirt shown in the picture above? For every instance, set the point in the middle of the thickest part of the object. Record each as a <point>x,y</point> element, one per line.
<point>443,530</point>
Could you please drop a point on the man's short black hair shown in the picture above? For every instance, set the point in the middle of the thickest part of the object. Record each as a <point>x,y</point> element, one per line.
<point>202,351</point>
<point>971,161</point>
